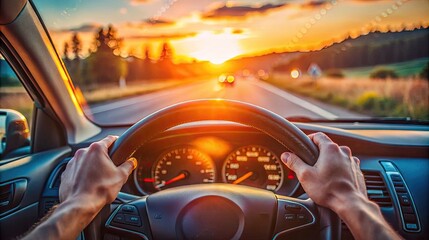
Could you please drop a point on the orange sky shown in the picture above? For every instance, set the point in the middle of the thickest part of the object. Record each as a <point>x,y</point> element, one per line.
<point>218,31</point>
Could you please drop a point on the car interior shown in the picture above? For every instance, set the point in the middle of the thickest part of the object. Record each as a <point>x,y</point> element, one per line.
<point>218,193</point>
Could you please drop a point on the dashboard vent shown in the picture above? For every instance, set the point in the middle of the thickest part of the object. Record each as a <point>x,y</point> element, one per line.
<point>376,189</point>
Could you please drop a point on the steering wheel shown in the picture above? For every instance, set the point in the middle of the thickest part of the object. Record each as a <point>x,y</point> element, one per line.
<point>218,211</point>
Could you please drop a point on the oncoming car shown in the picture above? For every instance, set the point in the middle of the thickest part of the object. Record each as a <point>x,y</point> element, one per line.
<point>208,158</point>
<point>226,79</point>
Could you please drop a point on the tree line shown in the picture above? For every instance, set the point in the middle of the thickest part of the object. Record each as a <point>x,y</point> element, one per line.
<point>373,49</point>
<point>104,65</point>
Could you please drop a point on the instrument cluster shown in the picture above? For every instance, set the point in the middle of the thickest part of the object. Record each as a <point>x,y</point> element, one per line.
<point>252,165</point>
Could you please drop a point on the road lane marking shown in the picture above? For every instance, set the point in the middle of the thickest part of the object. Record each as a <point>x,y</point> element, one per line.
<point>136,99</point>
<point>291,98</point>
<point>123,103</point>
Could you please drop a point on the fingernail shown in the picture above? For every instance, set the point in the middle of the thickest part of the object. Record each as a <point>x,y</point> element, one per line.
<point>133,160</point>
<point>285,157</point>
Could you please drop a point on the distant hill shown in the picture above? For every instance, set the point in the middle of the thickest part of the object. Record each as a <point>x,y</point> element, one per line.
<point>264,62</point>
<point>373,49</point>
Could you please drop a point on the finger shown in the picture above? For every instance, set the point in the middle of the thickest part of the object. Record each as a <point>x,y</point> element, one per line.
<point>107,141</point>
<point>128,166</point>
<point>346,150</point>
<point>357,161</point>
<point>320,138</point>
<point>294,163</point>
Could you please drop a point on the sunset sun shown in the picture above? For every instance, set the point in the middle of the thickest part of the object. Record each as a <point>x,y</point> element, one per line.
<point>216,48</point>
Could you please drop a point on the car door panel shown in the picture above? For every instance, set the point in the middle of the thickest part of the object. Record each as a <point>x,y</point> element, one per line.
<point>32,171</point>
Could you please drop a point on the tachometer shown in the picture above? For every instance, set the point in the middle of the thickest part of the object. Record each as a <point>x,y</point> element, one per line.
<point>254,166</point>
<point>182,166</point>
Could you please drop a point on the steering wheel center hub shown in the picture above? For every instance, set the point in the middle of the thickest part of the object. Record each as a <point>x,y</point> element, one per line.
<point>211,217</point>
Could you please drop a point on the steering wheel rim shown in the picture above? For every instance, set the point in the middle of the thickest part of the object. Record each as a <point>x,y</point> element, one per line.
<point>191,203</point>
<point>259,118</point>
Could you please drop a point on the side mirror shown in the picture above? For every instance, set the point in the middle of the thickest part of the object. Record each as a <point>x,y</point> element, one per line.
<point>14,132</point>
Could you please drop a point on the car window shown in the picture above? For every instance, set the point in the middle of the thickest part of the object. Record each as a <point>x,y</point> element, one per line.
<point>15,103</point>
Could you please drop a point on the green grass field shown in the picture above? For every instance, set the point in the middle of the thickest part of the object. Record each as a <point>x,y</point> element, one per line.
<point>383,98</point>
<point>403,69</point>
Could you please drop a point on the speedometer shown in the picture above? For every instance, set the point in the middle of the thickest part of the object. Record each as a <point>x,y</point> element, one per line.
<point>254,166</point>
<point>182,166</point>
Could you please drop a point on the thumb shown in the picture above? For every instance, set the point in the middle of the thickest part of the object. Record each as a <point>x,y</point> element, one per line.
<point>294,163</point>
<point>128,166</point>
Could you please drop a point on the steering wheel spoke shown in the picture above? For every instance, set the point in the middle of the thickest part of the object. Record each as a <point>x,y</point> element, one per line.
<point>293,214</point>
<point>129,219</point>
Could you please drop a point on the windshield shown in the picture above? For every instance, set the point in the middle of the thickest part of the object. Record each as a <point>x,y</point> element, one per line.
<point>303,59</point>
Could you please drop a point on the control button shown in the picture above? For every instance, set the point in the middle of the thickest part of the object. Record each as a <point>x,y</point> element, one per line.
<point>407,210</point>
<point>400,189</point>
<point>389,167</point>
<point>404,199</point>
<point>301,217</point>
<point>132,220</point>
<point>119,218</point>
<point>292,208</point>
<point>129,209</point>
<point>410,218</point>
<point>290,217</point>
<point>411,226</point>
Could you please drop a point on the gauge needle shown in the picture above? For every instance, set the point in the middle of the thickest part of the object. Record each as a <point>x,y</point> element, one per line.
<point>242,178</point>
<point>175,179</point>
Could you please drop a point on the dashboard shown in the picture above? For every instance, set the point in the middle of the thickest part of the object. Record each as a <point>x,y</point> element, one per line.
<point>250,159</point>
<point>214,152</point>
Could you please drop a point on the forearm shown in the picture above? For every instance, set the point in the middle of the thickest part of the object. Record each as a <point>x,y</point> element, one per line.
<point>65,222</point>
<point>365,220</point>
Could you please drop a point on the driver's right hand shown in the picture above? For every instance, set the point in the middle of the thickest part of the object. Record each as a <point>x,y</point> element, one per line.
<point>335,178</point>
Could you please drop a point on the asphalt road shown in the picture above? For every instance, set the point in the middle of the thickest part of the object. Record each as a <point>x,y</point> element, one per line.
<point>130,110</point>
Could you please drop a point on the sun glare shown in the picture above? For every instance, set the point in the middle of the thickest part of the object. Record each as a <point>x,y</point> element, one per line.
<point>216,48</point>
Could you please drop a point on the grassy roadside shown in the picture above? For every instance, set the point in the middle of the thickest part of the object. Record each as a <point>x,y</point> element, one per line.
<point>381,98</point>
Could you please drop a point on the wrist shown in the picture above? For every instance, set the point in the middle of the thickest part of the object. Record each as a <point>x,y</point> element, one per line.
<point>351,204</point>
<point>82,205</point>
<point>355,207</point>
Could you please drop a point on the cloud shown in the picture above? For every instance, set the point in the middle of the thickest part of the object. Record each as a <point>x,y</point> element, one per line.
<point>85,28</point>
<point>162,36</point>
<point>314,3</point>
<point>147,23</point>
<point>239,11</point>
<point>159,22</point>
<point>137,2</point>
<point>244,11</point>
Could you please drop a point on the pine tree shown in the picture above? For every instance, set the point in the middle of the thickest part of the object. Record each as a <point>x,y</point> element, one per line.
<point>76,46</point>
<point>147,53</point>
<point>166,52</point>
<point>66,51</point>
